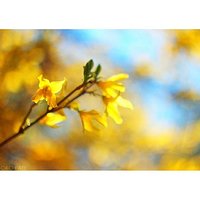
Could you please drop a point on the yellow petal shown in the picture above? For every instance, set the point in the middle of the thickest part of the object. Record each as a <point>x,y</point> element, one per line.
<point>56,86</point>
<point>89,126</point>
<point>88,119</point>
<point>118,77</point>
<point>102,119</point>
<point>112,111</point>
<point>109,92</point>
<point>119,87</point>
<point>51,101</point>
<point>111,89</point>
<point>52,119</point>
<point>43,82</point>
<point>38,96</point>
<point>63,91</point>
<point>99,118</point>
<point>124,102</point>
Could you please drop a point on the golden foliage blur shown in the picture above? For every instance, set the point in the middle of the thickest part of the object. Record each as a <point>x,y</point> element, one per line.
<point>143,70</point>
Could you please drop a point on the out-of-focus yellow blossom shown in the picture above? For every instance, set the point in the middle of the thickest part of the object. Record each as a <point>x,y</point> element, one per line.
<point>48,90</point>
<point>112,107</point>
<point>14,79</point>
<point>143,70</point>
<point>111,87</point>
<point>52,119</point>
<point>188,40</point>
<point>91,118</point>
<point>12,39</point>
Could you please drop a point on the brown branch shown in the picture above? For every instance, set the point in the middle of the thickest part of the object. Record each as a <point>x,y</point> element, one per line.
<point>72,92</point>
<point>23,129</point>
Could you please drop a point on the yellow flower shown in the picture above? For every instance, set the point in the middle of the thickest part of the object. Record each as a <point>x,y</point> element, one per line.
<point>48,90</point>
<point>111,87</point>
<point>51,119</point>
<point>112,107</point>
<point>89,118</point>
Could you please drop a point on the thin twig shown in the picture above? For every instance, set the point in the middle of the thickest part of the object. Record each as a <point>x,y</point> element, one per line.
<point>26,116</point>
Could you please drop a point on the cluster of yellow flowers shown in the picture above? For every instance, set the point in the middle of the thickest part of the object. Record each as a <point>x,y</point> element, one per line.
<point>110,92</point>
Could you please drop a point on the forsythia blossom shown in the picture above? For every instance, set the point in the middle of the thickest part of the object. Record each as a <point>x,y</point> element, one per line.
<point>111,90</point>
<point>48,90</point>
<point>111,87</point>
<point>89,118</point>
